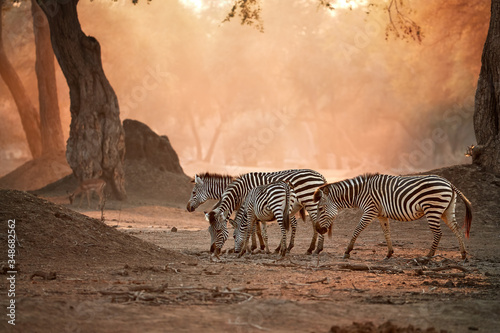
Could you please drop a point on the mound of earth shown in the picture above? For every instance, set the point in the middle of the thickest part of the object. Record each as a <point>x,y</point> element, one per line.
<point>37,173</point>
<point>386,327</point>
<point>49,234</point>
<point>142,144</point>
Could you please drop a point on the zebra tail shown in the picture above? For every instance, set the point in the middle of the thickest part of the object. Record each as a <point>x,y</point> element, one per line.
<point>468,211</point>
<point>286,213</point>
<point>302,213</point>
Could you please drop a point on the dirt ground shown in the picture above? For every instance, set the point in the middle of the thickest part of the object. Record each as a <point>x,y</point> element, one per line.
<point>147,268</point>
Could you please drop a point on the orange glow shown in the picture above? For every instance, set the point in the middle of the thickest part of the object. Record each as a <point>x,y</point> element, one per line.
<point>308,92</point>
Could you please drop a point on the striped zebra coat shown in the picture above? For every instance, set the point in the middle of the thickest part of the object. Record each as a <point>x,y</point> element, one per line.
<point>304,181</point>
<point>265,203</point>
<point>211,186</point>
<point>207,186</point>
<point>401,198</point>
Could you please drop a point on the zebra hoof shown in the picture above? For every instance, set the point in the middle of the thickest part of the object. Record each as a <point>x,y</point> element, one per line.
<point>347,255</point>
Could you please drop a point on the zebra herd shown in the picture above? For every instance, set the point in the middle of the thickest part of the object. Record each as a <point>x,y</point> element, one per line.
<point>266,196</point>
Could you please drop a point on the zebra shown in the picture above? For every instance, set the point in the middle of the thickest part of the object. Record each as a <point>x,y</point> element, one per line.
<point>207,186</point>
<point>401,198</point>
<point>211,186</point>
<point>304,181</point>
<point>268,202</point>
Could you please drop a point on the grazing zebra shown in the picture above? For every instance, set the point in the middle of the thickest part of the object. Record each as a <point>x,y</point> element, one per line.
<point>401,198</point>
<point>304,181</point>
<point>266,203</point>
<point>256,228</point>
<point>211,186</point>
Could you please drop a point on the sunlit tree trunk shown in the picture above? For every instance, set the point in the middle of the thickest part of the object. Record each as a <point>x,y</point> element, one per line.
<point>487,107</point>
<point>50,120</point>
<point>96,146</point>
<point>30,118</point>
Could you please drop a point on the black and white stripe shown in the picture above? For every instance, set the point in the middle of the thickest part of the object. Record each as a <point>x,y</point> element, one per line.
<point>265,203</point>
<point>401,198</point>
<point>207,186</point>
<point>304,181</point>
<point>211,186</point>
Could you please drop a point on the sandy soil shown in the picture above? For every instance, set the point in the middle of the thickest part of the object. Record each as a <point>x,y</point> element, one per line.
<point>134,272</point>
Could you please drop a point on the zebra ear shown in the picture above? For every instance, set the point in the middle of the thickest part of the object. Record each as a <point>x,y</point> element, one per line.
<point>318,194</point>
<point>320,191</point>
<point>211,217</point>
<point>198,180</point>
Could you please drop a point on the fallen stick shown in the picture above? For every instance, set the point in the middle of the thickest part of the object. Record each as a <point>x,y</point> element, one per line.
<point>361,267</point>
<point>44,275</point>
<point>443,268</point>
<point>318,281</point>
<point>148,288</point>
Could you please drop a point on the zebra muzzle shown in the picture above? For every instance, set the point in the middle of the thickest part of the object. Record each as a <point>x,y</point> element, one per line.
<point>320,229</point>
<point>189,208</point>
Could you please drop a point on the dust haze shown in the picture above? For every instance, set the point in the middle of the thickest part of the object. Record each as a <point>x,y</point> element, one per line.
<point>322,89</point>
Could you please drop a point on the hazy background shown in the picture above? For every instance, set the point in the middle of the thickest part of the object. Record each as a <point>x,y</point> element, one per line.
<point>321,89</point>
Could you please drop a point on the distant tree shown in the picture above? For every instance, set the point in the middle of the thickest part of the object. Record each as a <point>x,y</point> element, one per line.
<point>96,145</point>
<point>52,138</point>
<point>487,99</point>
<point>30,117</point>
<point>43,129</point>
<point>487,105</point>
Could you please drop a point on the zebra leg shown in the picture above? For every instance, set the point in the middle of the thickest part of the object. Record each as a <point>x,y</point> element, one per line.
<point>321,240</point>
<point>265,238</point>
<point>384,223</point>
<point>293,222</point>
<point>278,214</point>
<point>246,236</point>
<point>434,222</point>
<point>315,233</point>
<point>283,239</point>
<point>262,241</point>
<point>255,230</point>
<point>365,221</point>
<point>449,218</point>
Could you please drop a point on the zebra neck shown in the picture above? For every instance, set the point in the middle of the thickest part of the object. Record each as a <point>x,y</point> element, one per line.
<point>351,193</point>
<point>218,186</point>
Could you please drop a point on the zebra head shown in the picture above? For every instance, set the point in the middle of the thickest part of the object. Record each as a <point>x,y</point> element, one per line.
<point>199,194</point>
<point>217,229</point>
<point>326,212</point>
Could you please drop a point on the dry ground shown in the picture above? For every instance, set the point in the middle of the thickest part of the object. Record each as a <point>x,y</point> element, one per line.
<point>134,273</point>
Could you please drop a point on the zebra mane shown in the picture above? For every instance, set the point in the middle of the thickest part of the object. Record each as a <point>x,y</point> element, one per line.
<point>367,176</point>
<point>325,188</point>
<point>206,175</point>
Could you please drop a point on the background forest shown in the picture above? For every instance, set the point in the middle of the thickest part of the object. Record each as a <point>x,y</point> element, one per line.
<point>319,88</point>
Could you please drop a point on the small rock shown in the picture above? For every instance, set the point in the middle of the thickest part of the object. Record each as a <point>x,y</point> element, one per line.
<point>174,229</point>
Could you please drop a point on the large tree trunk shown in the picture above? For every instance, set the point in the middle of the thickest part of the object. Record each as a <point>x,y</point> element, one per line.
<point>96,145</point>
<point>50,121</point>
<point>487,107</point>
<point>30,118</point>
